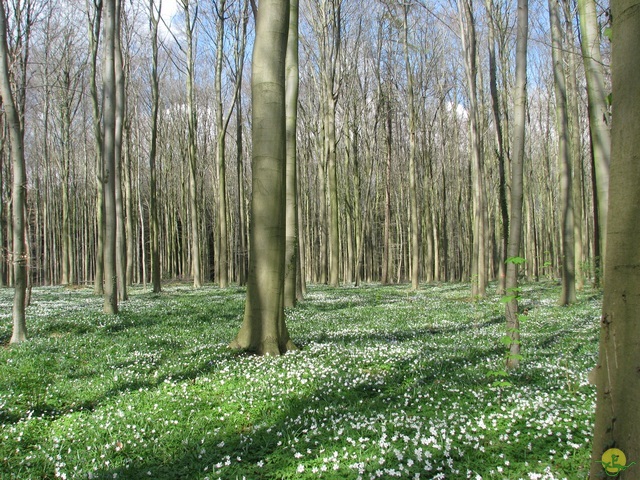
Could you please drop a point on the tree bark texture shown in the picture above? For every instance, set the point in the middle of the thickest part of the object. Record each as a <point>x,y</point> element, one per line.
<point>617,375</point>
<point>263,329</point>
<point>18,256</point>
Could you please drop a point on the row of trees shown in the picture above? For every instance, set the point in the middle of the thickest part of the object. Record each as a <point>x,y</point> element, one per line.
<point>407,153</point>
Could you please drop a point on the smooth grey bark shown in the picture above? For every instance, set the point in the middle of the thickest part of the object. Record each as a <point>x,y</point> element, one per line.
<point>413,194</point>
<point>94,21</point>
<point>479,253</point>
<point>19,193</point>
<point>617,422</point>
<point>516,220</point>
<point>121,242</point>
<point>575,129</point>
<point>263,329</point>
<point>500,143</point>
<point>192,148</point>
<point>109,160</point>
<point>568,294</point>
<point>154,18</point>
<point>291,271</point>
<point>223,235</point>
<point>598,116</point>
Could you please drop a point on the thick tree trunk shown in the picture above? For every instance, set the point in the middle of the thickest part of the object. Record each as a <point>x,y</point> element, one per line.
<point>263,330</point>
<point>19,192</point>
<point>618,383</point>
<point>568,294</point>
<point>292,80</point>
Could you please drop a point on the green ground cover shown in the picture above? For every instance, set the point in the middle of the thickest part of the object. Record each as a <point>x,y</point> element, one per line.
<point>388,383</point>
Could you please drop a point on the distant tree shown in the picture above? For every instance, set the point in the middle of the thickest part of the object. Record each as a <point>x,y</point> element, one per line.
<point>618,383</point>
<point>263,329</point>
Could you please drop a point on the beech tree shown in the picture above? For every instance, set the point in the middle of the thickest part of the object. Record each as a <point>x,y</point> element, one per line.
<point>618,384</point>
<point>109,158</point>
<point>263,329</point>
<point>18,200</point>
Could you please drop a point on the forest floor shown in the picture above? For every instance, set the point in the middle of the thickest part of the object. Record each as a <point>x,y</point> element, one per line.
<point>387,383</point>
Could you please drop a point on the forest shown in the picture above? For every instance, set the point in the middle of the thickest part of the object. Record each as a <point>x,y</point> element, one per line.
<point>331,182</point>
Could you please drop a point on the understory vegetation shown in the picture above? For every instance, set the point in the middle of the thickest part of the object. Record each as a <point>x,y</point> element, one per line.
<point>387,383</point>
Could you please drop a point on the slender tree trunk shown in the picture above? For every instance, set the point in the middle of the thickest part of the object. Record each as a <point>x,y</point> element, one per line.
<point>479,254</point>
<point>121,245</point>
<point>564,160</point>
<point>192,152</point>
<point>500,150</point>
<point>576,144</point>
<point>413,193</point>
<point>109,160</point>
<point>598,116</point>
<point>386,255</point>
<point>94,25</point>
<point>516,220</point>
<point>292,80</point>
<point>617,421</point>
<point>154,15</point>
<point>19,192</point>
<point>264,330</point>
<point>223,235</point>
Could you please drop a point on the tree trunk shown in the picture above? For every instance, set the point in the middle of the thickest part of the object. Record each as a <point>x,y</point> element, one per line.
<point>598,115</point>
<point>109,160</point>
<point>568,294</point>
<point>413,193</point>
<point>479,254</point>
<point>121,243</point>
<point>500,150</point>
<point>292,81</point>
<point>192,152</point>
<point>618,383</point>
<point>515,222</point>
<point>94,25</point>
<point>19,192</point>
<point>576,144</point>
<point>223,235</point>
<point>263,329</point>
<point>153,195</point>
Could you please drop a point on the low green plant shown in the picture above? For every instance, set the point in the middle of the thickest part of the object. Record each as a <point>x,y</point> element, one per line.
<point>384,386</point>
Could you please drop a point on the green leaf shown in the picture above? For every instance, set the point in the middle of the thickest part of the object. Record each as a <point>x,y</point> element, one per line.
<point>515,260</point>
<point>497,373</point>
<point>501,383</point>
<point>508,298</point>
<point>609,99</point>
<point>608,33</point>
<point>507,340</point>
